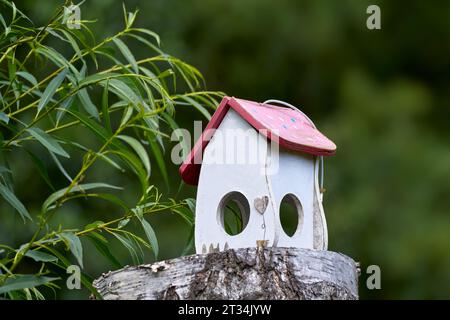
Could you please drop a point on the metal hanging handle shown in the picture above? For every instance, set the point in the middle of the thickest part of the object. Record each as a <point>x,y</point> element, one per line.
<point>321,166</point>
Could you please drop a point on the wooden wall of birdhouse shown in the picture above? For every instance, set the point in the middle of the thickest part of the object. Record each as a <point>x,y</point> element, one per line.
<point>257,165</point>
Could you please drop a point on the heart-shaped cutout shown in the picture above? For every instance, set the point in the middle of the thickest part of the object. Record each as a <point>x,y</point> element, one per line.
<point>261,204</point>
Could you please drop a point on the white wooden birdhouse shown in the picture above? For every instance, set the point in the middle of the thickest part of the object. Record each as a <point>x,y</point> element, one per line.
<point>256,157</point>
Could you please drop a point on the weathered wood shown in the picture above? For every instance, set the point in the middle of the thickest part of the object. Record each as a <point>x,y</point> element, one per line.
<point>249,273</point>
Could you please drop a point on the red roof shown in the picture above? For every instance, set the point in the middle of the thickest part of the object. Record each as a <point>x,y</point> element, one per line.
<point>289,127</point>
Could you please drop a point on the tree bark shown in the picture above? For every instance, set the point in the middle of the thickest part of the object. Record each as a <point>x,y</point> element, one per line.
<point>250,273</point>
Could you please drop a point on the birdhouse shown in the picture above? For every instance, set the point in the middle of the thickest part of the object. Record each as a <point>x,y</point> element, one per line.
<point>256,157</point>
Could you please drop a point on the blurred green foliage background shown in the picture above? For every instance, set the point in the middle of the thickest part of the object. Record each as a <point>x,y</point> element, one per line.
<point>382,95</point>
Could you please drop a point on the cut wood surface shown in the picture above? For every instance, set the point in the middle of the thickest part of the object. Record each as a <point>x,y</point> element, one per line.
<point>249,273</point>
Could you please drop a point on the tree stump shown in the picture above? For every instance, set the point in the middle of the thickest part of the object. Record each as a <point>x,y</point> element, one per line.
<point>250,273</point>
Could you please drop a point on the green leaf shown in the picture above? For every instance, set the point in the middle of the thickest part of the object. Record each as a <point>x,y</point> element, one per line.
<point>93,225</point>
<point>173,125</point>
<point>91,125</point>
<point>137,241</point>
<point>63,263</point>
<point>123,91</point>
<point>2,20</point>
<point>87,104</point>
<point>150,33</point>
<point>129,17</point>
<point>20,282</point>
<point>130,246</point>
<point>6,173</point>
<point>74,244</point>
<point>123,223</point>
<point>64,106</point>
<point>39,256</point>
<point>191,204</point>
<point>53,33</point>
<point>27,76</point>
<point>51,89</point>
<point>4,169</point>
<point>105,108</point>
<point>187,78</point>
<point>78,188</point>
<point>133,162</point>
<point>190,243</point>
<point>57,58</point>
<point>18,11</point>
<point>151,75</point>
<point>48,141</point>
<point>74,44</point>
<point>14,11</point>
<point>139,149</point>
<point>97,235</point>
<point>151,236</point>
<point>159,160</point>
<point>4,117</point>
<point>41,168</point>
<point>12,200</point>
<point>197,106</point>
<point>128,112</point>
<point>104,250</point>
<point>113,199</point>
<point>185,213</point>
<point>61,167</point>
<point>146,42</point>
<point>97,78</point>
<point>110,161</point>
<point>127,54</point>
